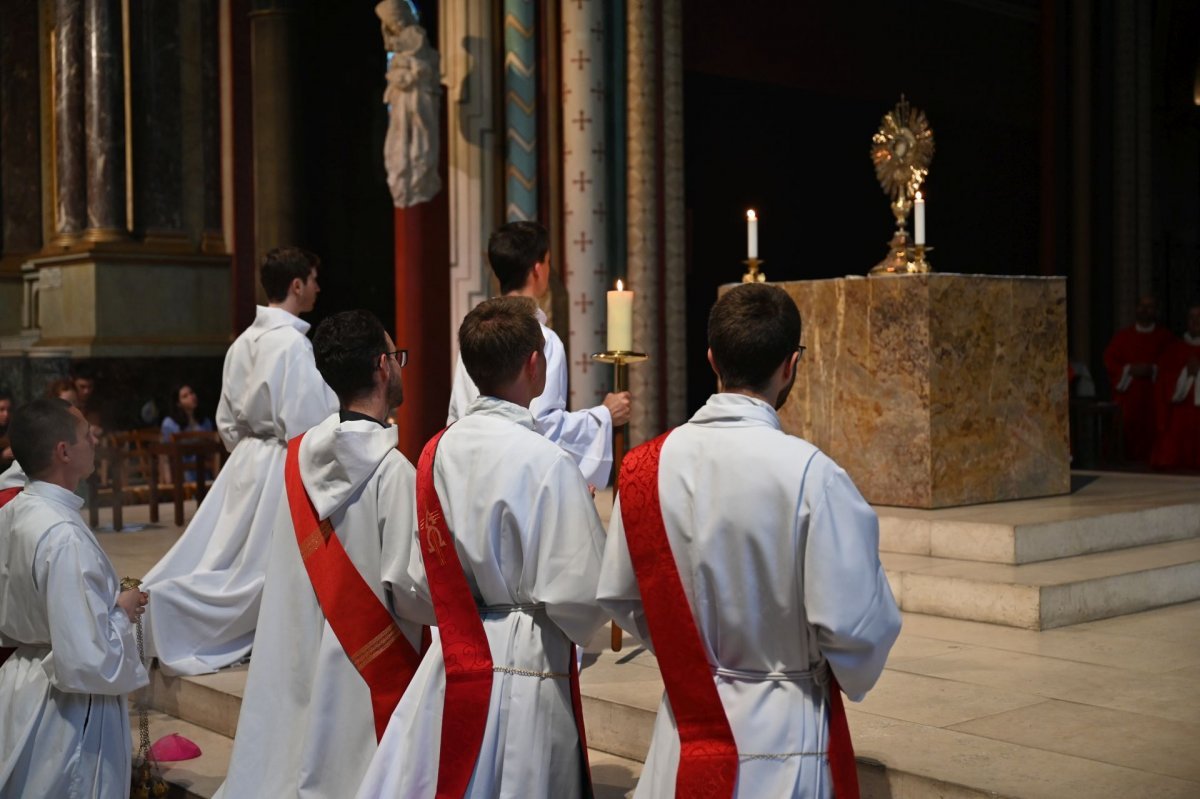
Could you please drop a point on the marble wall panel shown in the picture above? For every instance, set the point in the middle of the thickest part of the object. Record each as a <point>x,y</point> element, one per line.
<point>936,390</point>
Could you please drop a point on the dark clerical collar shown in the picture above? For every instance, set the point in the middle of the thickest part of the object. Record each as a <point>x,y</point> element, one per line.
<point>355,416</point>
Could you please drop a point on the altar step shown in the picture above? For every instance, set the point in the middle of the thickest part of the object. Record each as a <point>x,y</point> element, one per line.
<point>205,710</point>
<point>1104,512</point>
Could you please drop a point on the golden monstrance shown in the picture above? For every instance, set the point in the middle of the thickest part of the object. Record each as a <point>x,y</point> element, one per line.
<point>901,151</point>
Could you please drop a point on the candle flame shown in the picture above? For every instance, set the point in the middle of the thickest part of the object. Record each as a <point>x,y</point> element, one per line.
<point>920,197</point>
<point>751,215</point>
<point>620,285</point>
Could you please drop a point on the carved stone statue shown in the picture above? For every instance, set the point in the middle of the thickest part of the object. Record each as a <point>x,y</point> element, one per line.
<point>410,151</point>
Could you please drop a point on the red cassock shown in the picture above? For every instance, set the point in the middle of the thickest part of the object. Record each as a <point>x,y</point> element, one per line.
<point>1137,401</point>
<point>1178,442</point>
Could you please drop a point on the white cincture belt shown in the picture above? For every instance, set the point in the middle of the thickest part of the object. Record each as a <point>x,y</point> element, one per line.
<point>493,610</point>
<point>812,675</point>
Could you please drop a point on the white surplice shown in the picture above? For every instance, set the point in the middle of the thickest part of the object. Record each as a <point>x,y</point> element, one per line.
<point>779,558</point>
<point>527,533</point>
<point>12,477</point>
<point>586,435</point>
<point>306,727</point>
<point>64,721</point>
<point>207,588</point>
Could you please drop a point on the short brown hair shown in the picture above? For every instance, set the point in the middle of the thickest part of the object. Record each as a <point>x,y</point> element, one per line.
<point>496,338</point>
<point>752,328</point>
<point>514,249</point>
<point>281,266</point>
<point>36,429</point>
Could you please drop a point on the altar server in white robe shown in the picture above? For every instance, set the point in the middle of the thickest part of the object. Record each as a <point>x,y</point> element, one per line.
<point>519,254</point>
<point>307,727</point>
<point>207,588</point>
<point>530,543</point>
<point>64,727</point>
<point>12,477</point>
<point>778,556</point>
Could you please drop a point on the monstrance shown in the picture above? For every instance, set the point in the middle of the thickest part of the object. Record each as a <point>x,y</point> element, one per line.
<point>901,150</point>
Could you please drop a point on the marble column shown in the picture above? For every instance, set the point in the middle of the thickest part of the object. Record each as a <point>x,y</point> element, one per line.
<point>157,122</point>
<point>70,152</point>
<point>642,207</point>
<point>674,303</point>
<point>104,120</point>
<point>20,146</point>
<point>212,236</point>
<point>585,218</point>
<point>520,110</point>
<point>274,45</point>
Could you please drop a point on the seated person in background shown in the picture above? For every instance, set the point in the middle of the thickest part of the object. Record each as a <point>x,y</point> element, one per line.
<point>184,418</point>
<point>1178,443</point>
<point>84,380</point>
<point>63,389</point>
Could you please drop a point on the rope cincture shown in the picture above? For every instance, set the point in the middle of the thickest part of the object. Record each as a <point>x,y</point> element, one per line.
<point>145,780</point>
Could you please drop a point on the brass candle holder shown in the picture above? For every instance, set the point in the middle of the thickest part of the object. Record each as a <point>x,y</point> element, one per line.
<point>752,274</point>
<point>919,264</point>
<point>620,360</point>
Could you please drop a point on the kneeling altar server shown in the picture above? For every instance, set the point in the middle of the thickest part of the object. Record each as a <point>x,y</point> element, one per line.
<point>64,721</point>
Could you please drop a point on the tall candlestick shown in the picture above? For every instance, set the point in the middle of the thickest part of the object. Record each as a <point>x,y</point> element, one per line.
<point>919,219</point>
<point>620,319</point>
<point>751,234</point>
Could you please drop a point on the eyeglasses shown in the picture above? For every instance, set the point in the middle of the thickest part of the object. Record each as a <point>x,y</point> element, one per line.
<point>800,348</point>
<point>401,357</point>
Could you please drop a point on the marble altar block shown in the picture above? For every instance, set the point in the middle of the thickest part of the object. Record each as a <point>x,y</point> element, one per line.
<point>936,390</point>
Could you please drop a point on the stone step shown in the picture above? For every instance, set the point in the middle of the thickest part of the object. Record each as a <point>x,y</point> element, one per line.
<point>1106,512</point>
<point>1040,596</point>
<point>211,701</point>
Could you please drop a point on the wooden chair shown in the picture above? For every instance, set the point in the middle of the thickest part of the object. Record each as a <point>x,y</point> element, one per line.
<point>127,471</point>
<point>206,451</point>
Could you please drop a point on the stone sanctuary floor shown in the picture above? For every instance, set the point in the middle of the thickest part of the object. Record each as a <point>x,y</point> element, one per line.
<point>976,700</point>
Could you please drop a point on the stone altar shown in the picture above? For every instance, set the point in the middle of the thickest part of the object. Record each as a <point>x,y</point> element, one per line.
<point>936,390</point>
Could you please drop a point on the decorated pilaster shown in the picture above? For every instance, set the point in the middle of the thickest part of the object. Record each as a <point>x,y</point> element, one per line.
<point>520,110</point>
<point>585,269</point>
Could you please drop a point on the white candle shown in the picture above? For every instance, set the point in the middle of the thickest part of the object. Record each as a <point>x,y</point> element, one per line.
<point>620,320</point>
<point>751,234</point>
<point>919,219</point>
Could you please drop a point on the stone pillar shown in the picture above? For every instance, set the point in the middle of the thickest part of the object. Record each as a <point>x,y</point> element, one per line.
<point>642,207</point>
<point>674,305</point>
<point>20,146</point>
<point>585,241</point>
<point>104,120</point>
<point>157,123</point>
<point>212,238</point>
<point>70,153</point>
<point>467,45</point>
<point>520,110</point>
<point>274,46</point>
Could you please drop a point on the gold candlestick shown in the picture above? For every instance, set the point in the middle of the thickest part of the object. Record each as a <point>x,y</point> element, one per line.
<point>620,359</point>
<point>752,274</point>
<point>918,263</point>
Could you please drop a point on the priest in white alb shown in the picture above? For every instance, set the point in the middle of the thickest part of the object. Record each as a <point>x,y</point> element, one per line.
<point>519,253</point>
<point>748,562</point>
<point>509,553</point>
<point>207,588</point>
<point>64,718</point>
<point>331,659</point>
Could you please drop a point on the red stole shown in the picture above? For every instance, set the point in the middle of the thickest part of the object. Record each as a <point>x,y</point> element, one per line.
<point>465,648</point>
<point>6,496</point>
<point>708,758</point>
<point>364,627</point>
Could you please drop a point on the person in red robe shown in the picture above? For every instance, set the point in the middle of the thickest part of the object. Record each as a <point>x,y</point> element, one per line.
<point>1130,360</point>
<point>1178,390</point>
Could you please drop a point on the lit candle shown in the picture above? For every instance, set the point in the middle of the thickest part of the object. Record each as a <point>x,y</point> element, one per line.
<point>620,319</point>
<point>919,219</point>
<point>751,234</point>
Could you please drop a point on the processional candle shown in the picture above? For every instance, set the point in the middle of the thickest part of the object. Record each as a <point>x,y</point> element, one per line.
<point>751,234</point>
<point>620,320</point>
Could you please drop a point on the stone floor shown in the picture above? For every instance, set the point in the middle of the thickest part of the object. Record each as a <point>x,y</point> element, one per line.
<point>1108,708</point>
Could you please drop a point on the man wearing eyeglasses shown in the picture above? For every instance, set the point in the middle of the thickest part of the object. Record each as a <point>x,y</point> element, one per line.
<point>331,657</point>
<point>210,582</point>
<point>519,254</point>
<point>749,563</point>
